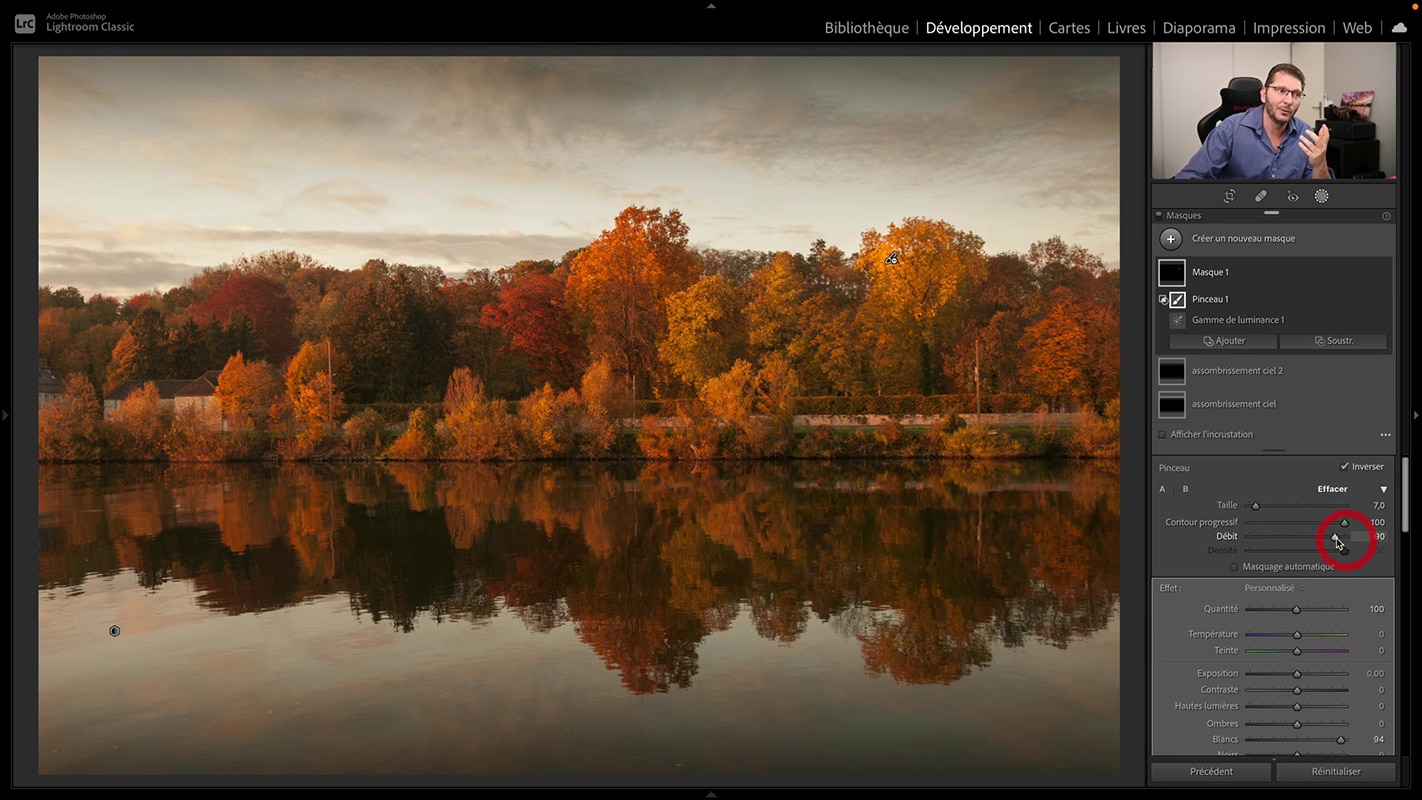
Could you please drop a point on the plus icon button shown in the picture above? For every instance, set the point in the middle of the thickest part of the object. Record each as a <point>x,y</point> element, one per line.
<point>1170,239</point>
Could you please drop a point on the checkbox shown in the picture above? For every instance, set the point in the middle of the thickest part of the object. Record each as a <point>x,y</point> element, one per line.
<point>1345,466</point>
<point>1160,434</point>
<point>1234,568</point>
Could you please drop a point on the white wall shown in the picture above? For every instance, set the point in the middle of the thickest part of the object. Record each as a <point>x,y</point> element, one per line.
<point>1309,57</point>
<point>1187,78</point>
<point>1361,66</point>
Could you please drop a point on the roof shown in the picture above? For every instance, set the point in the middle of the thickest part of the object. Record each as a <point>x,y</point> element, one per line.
<point>48,384</point>
<point>167,390</point>
<point>206,386</point>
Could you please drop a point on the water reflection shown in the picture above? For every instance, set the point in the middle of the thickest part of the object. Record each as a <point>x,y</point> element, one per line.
<point>930,568</point>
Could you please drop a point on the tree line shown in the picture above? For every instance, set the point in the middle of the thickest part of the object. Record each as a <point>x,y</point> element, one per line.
<point>921,308</point>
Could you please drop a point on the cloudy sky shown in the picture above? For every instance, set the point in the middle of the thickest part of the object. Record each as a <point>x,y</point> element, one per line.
<point>152,168</point>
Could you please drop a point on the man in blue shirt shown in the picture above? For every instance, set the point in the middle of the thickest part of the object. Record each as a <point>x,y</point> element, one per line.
<point>1266,141</point>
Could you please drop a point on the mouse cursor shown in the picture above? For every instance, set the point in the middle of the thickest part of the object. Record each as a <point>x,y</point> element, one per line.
<point>1339,545</point>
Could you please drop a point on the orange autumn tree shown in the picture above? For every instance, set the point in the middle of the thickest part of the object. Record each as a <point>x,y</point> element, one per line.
<point>140,425</point>
<point>618,287</point>
<point>606,402</point>
<point>920,278</point>
<point>480,427</point>
<point>55,341</point>
<point>311,392</point>
<point>246,392</point>
<point>705,330</point>
<point>1055,348</point>
<point>71,427</point>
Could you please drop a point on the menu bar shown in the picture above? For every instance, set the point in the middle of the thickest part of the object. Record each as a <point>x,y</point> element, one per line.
<point>698,21</point>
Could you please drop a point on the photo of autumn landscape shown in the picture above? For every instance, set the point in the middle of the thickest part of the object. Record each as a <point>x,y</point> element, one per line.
<point>540,416</point>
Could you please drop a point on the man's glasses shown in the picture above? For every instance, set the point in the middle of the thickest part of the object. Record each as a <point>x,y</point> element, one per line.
<point>1289,93</point>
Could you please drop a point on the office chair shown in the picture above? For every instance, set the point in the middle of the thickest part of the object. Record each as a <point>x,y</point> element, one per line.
<point>1241,94</point>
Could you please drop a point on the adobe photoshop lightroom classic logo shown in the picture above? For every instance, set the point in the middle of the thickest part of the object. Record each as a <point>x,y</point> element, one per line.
<point>24,23</point>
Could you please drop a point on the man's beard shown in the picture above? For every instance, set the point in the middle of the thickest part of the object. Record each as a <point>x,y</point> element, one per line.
<point>1277,113</point>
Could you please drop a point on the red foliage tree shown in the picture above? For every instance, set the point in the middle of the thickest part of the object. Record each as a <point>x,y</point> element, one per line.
<point>532,311</point>
<point>266,304</point>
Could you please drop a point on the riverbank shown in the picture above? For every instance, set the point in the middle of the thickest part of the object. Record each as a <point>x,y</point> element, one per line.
<point>998,436</point>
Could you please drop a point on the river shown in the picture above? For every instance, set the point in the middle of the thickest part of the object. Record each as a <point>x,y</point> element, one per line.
<point>655,620</point>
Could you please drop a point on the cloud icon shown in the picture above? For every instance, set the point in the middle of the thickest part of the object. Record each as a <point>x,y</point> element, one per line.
<point>1399,28</point>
